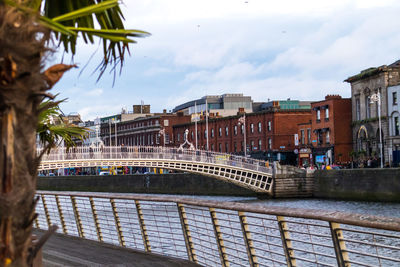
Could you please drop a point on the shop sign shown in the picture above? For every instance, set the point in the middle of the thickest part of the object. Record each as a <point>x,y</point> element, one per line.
<point>305,150</point>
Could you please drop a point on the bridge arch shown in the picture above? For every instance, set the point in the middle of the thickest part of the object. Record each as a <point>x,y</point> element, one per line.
<point>253,174</point>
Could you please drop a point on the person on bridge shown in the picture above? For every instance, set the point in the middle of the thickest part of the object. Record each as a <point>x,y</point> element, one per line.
<point>123,151</point>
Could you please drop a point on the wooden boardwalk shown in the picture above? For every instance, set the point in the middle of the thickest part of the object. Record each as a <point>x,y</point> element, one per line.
<point>62,250</point>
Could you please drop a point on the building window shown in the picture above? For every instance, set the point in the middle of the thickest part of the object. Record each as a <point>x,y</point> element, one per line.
<point>318,115</point>
<point>242,129</point>
<point>166,138</point>
<point>358,113</point>
<point>259,144</point>
<point>158,139</point>
<point>241,146</point>
<point>226,148</point>
<point>252,128</point>
<point>235,130</point>
<point>205,134</point>
<point>327,113</point>
<point>319,137</point>
<point>220,147</point>
<point>269,143</point>
<point>302,137</point>
<point>394,96</point>
<point>259,127</point>
<point>252,145</point>
<point>396,126</point>
<point>226,131</point>
<point>308,136</point>
<point>367,107</point>
<point>212,132</point>
<point>212,147</point>
<point>269,126</point>
<point>192,135</point>
<point>219,131</point>
<point>327,137</point>
<point>234,147</point>
<point>178,138</point>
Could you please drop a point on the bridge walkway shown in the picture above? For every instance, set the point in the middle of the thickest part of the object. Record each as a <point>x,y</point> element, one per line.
<point>62,250</point>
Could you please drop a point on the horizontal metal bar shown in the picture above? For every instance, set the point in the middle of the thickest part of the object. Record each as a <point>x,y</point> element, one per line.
<point>363,220</point>
<point>371,244</point>
<point>313,261</point>
<point>372,255</point>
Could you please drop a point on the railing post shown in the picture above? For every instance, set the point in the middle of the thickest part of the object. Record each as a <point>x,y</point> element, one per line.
<point>186,233</point>
<point>96,220</point>
<point>37,222</point>
<point>340,246</point>
<point>117,223</point>
<point>46,211</point>
<point>286,242</point>
<point>251,252</point>
<point>64,227</point>
<point>143,229</point>
<point>77,218</point>
<point>218,235</point>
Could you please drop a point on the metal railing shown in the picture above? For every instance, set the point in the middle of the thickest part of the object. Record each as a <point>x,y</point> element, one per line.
<point>224,233</point>
<point>153,152</point>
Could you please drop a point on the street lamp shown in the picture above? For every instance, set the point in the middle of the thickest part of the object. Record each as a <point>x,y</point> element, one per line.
<point>377,98</point>
<point>242,120</point>
<point>162,132</point>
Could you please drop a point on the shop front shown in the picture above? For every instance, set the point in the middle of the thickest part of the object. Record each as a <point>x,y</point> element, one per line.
<point>305,157</point>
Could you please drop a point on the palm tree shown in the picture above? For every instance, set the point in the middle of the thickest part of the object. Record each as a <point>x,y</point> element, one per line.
<point>28,31</point>
<point>52,130</point>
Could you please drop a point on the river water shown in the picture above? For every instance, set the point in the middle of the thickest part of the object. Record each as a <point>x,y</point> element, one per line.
<point>386,209</point>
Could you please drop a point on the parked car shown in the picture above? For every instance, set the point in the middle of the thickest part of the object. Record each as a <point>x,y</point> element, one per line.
<point>104,173</point>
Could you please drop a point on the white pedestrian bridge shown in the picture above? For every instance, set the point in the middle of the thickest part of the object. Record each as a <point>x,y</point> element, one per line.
<point>250,173</point>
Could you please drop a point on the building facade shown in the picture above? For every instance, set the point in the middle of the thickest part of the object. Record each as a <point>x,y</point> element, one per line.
<point>219,105</point>
<point>394,124</point>
<point>269,134</point>
<point>331,130</point>
<point>365,122</point>
<point>151,130</point>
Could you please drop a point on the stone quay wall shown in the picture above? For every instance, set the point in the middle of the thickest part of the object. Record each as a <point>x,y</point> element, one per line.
<point>174,183</point>
<point>358,184</point>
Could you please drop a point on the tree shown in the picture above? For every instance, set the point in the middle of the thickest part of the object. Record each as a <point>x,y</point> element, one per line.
<point>28,31</point>
<point>52,130</point>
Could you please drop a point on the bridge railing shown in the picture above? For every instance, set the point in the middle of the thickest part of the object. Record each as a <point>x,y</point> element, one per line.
<point>224,233</point>
<point>152,152</point>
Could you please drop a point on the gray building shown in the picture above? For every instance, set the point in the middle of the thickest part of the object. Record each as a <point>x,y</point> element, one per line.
<point>365,122</point>
<point>394,123</point>
<point>220,105</point>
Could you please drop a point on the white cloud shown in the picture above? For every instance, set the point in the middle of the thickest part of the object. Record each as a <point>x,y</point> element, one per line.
<point>266,49</point>
<point>94,93</point>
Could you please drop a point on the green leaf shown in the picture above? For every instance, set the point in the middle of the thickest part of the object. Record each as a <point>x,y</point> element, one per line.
<point>55,26</point>
<point>87,11</point>
<point>117,32</point>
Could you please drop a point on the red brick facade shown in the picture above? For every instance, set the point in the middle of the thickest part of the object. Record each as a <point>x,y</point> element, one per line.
<point>269,131</point>
<point>331,128</point>
<point>143,131</point>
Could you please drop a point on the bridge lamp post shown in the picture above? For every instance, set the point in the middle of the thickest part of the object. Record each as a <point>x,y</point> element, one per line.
<point>242,120</point>
<point>116,140</point>
<point>377,98</point>
<point>162,132</point>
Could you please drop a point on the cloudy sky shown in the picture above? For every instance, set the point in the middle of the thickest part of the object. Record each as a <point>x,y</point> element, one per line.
<point>262,48</point>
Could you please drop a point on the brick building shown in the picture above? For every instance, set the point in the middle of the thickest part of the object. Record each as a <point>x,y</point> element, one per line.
<point>269,134</point>
<point>331,130</point>
<point>144,131</point>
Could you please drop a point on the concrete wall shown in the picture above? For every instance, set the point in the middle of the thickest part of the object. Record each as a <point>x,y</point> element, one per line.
<point>178,183</point>
<point>358,184</point>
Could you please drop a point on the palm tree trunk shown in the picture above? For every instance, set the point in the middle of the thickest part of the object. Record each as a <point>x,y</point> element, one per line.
<point>22,87</point>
